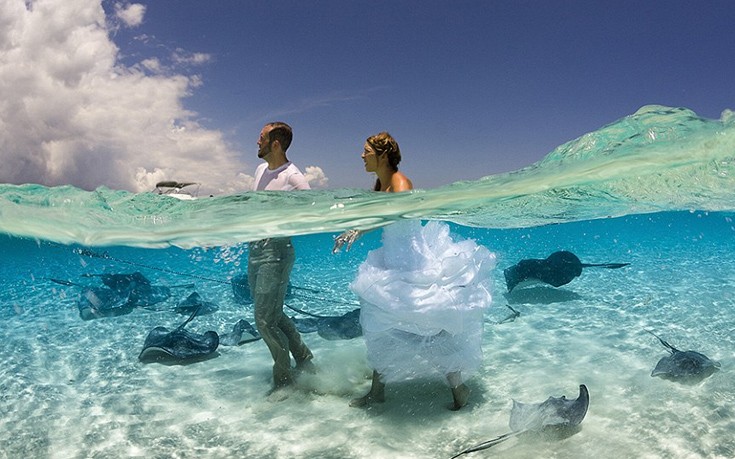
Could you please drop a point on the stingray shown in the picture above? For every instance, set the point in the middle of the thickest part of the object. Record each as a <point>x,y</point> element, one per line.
<point>559,268</point>
<point>306,325</point>
<point>242,332</point>
<point>123,283</point>
<point>178,346</point>
<point>195,301</point>
<point>120,295</point>
<point>136,287</point>
<point>683,366</point>
<point>555,414</point>
<point>346,326</point>
<point>94,303</point>
<point>98,302</point>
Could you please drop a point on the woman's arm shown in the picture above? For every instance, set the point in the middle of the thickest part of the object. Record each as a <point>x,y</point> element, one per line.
<point>348,237</point>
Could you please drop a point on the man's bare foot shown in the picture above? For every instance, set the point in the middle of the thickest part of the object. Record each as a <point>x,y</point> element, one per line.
<point>281,381</point>
<point>307,366</point>
<point>461,395</point>
<point>278,394</point>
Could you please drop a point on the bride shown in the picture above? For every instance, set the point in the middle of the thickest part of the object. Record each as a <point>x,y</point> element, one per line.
<point>422,295</point>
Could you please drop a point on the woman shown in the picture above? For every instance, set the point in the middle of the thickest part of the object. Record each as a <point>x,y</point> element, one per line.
<point>422,295</point>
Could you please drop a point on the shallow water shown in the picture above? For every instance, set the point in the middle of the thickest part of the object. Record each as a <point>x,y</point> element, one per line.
<point>75,388</point>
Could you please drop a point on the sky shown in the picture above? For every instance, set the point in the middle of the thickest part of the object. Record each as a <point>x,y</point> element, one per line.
<point>125,94</point>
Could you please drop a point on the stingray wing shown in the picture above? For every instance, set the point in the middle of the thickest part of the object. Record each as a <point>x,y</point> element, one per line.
<point>242,332</point>
<point>532,416</point>
<point>195,301</point>
<point>95,303</point>
<point>559,268</point>
<point>178,345</point>
<point>550,413</point>
<point>306,325</point>
<point>148,295</point>
<point>522,271</point>
<point>685,365</point>
<point>346,326</point>
<point>526,417</point>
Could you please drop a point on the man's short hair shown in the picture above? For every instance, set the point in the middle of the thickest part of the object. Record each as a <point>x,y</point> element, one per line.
<point>282,132</point>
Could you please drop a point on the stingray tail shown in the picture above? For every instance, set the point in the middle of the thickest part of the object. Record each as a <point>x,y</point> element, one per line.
<point>65,282</point>
<point>191,317</point>
<point>487,444</point>
<point>310,314</point>
<point>605,265</point>
<point>667,345</point>
<point>511,317</point>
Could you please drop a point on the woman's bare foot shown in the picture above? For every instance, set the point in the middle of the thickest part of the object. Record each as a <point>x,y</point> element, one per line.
<point>461,395</point>
<point>376,394</point>
<point>367,399</point>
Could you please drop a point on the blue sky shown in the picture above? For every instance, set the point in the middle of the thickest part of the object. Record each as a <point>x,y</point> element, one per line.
<point>468,88</point>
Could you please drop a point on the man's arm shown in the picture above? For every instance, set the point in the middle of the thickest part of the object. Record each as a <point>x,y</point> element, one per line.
<point>298,181</point>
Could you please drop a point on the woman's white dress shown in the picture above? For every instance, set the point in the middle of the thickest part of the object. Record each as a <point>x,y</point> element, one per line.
<point>423,298</point>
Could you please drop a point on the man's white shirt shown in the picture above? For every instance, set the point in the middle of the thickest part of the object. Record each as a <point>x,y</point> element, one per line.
<point>287,177</point>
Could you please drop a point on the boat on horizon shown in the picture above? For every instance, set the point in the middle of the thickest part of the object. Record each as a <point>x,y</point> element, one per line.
<point>179,190</point>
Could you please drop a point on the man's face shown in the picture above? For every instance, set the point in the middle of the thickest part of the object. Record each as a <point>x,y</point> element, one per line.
<point>264,143</point>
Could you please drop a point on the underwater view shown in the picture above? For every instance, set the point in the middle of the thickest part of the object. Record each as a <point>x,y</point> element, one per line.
<point>95,282</point>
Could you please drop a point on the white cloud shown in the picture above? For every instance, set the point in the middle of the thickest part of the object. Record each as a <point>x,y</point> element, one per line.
<point>153,65</point>
<point>71,113</point>
<point>181,56</point>
<point>315,176</point>
<point>131,14</point>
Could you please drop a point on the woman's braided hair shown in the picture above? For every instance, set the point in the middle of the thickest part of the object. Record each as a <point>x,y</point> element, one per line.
<point>384,144</point>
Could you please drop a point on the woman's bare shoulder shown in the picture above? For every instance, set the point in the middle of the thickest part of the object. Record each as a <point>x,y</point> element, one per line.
<point>400,182</point>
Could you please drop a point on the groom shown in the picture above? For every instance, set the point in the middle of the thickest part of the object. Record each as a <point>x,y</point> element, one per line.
<point>270,260</point>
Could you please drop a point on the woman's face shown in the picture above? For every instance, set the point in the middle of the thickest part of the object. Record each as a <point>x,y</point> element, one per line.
<point>370,158</point>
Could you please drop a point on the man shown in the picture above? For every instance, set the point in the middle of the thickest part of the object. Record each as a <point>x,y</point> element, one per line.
<point>270,260</point>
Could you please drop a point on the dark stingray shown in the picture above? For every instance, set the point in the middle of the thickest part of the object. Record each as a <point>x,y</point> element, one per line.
<point>195,301</point>
<point>123,283</point>
<point>306,324</point>
<point>136,287</point>
<point>559,268</point>
<point>242,332</point>
<point>120,295</point>
<point>95,303</point>
<point>178,346</point>
<point>687,367</point>
<point>346,326</point>
<point>559,415</point>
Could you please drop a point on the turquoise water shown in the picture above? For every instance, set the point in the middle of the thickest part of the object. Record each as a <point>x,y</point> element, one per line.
<point>655,189</point>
